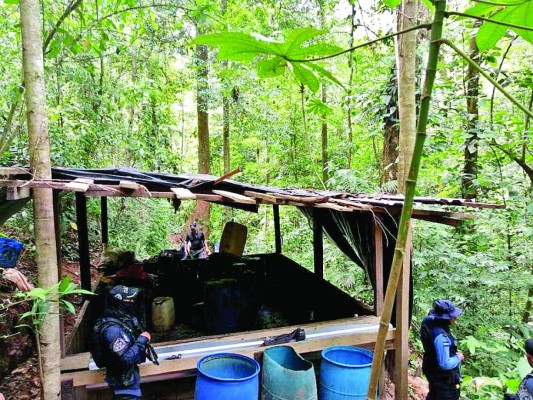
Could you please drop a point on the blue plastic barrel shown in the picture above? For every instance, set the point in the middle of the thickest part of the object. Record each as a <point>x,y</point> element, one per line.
<point>227,376</point>
<point>345,373</point>
<point>9,252</point>
<point>286,375</point>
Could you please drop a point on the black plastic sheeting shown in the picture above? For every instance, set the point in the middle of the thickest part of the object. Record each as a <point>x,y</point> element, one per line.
<point>353,233</point>
<point>157,181</point>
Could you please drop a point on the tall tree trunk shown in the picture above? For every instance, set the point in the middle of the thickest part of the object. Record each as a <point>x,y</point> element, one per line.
<point>324,136</point>
<point>470,168</point>
<point>226,111</point>
<point>349,90</point>
<point>324,117</point>
<point>225,132</point>
<point>203,209</point>
<point>402,240</point>
<point>130,156</point>
<point>391,133</point>
<point>202,107</point>
<point>406,62</point>
<point>39,143</point>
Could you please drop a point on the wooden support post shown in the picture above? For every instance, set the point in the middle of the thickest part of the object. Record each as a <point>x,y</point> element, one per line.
<point>318,248</point>
<point>103,220</point>
<point>401,344</point>
<point>378,268</point>
<point>83,241</point>
<point>57,230</point>
<point>277,228</point>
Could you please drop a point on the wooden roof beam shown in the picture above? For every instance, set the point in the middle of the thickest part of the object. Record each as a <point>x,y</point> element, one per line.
<point>97,190</point>
<point>438,200</point>
<point>332,206</point>
<point>33,183</point>
<point>9,171</point>
<point>210,197</point>
<point>263,197</point>
<point>441,220</point>
<point>79,185</point>
<point>235,197</point>
<point>17,193</point>
<point>355,205</point>
<point>130,185</point>
<point>183,194</point>
<point>300,199</point>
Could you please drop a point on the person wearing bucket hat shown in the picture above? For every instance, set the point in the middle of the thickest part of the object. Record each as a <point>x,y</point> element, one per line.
<point>525,390</point>
<point>441,360</point>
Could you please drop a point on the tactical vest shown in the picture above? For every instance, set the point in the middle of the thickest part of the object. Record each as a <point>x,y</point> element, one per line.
<point>430,365</point>
<point>523,393</point>
<point>99,350</point>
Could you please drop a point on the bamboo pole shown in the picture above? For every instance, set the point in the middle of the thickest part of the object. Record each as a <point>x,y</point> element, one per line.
<point>410,186</point>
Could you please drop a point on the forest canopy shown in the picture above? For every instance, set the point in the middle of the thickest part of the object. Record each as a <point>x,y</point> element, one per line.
<point>300,94</point>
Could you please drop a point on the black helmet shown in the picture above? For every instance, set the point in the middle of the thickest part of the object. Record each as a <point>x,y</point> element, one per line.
<point>125,293</point>
<point>121,302</point>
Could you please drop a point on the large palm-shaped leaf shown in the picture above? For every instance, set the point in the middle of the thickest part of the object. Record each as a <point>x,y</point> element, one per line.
<point>290,54</point>
<point>514,12</point>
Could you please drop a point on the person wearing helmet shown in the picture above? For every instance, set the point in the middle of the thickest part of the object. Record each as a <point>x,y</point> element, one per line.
<point>525,390</point>
<point>196,244</point>
<point>441,362</point>
<point>119,344</point>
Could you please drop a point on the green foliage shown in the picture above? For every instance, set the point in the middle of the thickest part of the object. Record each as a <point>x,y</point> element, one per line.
<point>41,299</point>
<point>392,3</point>
<point>282,55</point>
<point>121,84</point>
<point>507,12</point>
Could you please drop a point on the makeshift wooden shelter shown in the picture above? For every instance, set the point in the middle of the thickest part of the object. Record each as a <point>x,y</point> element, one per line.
<point>364,228</point>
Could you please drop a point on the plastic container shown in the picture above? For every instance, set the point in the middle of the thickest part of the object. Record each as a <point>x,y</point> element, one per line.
<point>233,239</point>
<point>345,373</point>
<point>223,306</point>
<point>9,252</point>
<point>227,376</point>
<point>163,315</point>
<point>287,376</point>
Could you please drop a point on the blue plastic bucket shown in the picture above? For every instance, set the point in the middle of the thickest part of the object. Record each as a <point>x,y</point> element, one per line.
<point>345,373</point>
<point>286,375</point>
<point>9,252</point>
<point>227,376</point>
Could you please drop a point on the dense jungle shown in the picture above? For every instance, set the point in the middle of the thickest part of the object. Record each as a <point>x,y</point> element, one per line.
<point>298,94</point>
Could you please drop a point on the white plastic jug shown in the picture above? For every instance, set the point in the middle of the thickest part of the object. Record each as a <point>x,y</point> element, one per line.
<point>163,316</point>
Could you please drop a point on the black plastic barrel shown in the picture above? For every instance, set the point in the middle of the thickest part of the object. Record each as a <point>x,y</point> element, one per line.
<point>227,376</point>
<point>287,376</point>
<point>223,306</point>
<point>345,373</point>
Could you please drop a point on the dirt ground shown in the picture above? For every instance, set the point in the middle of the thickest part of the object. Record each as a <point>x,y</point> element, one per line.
<point>19,372</point>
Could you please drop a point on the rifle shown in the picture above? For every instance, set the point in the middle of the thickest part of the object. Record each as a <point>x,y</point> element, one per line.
<point>149,351</point>
<point>151,354</point>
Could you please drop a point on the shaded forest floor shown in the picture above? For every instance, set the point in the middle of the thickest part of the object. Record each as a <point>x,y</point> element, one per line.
<point>19,372</point>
